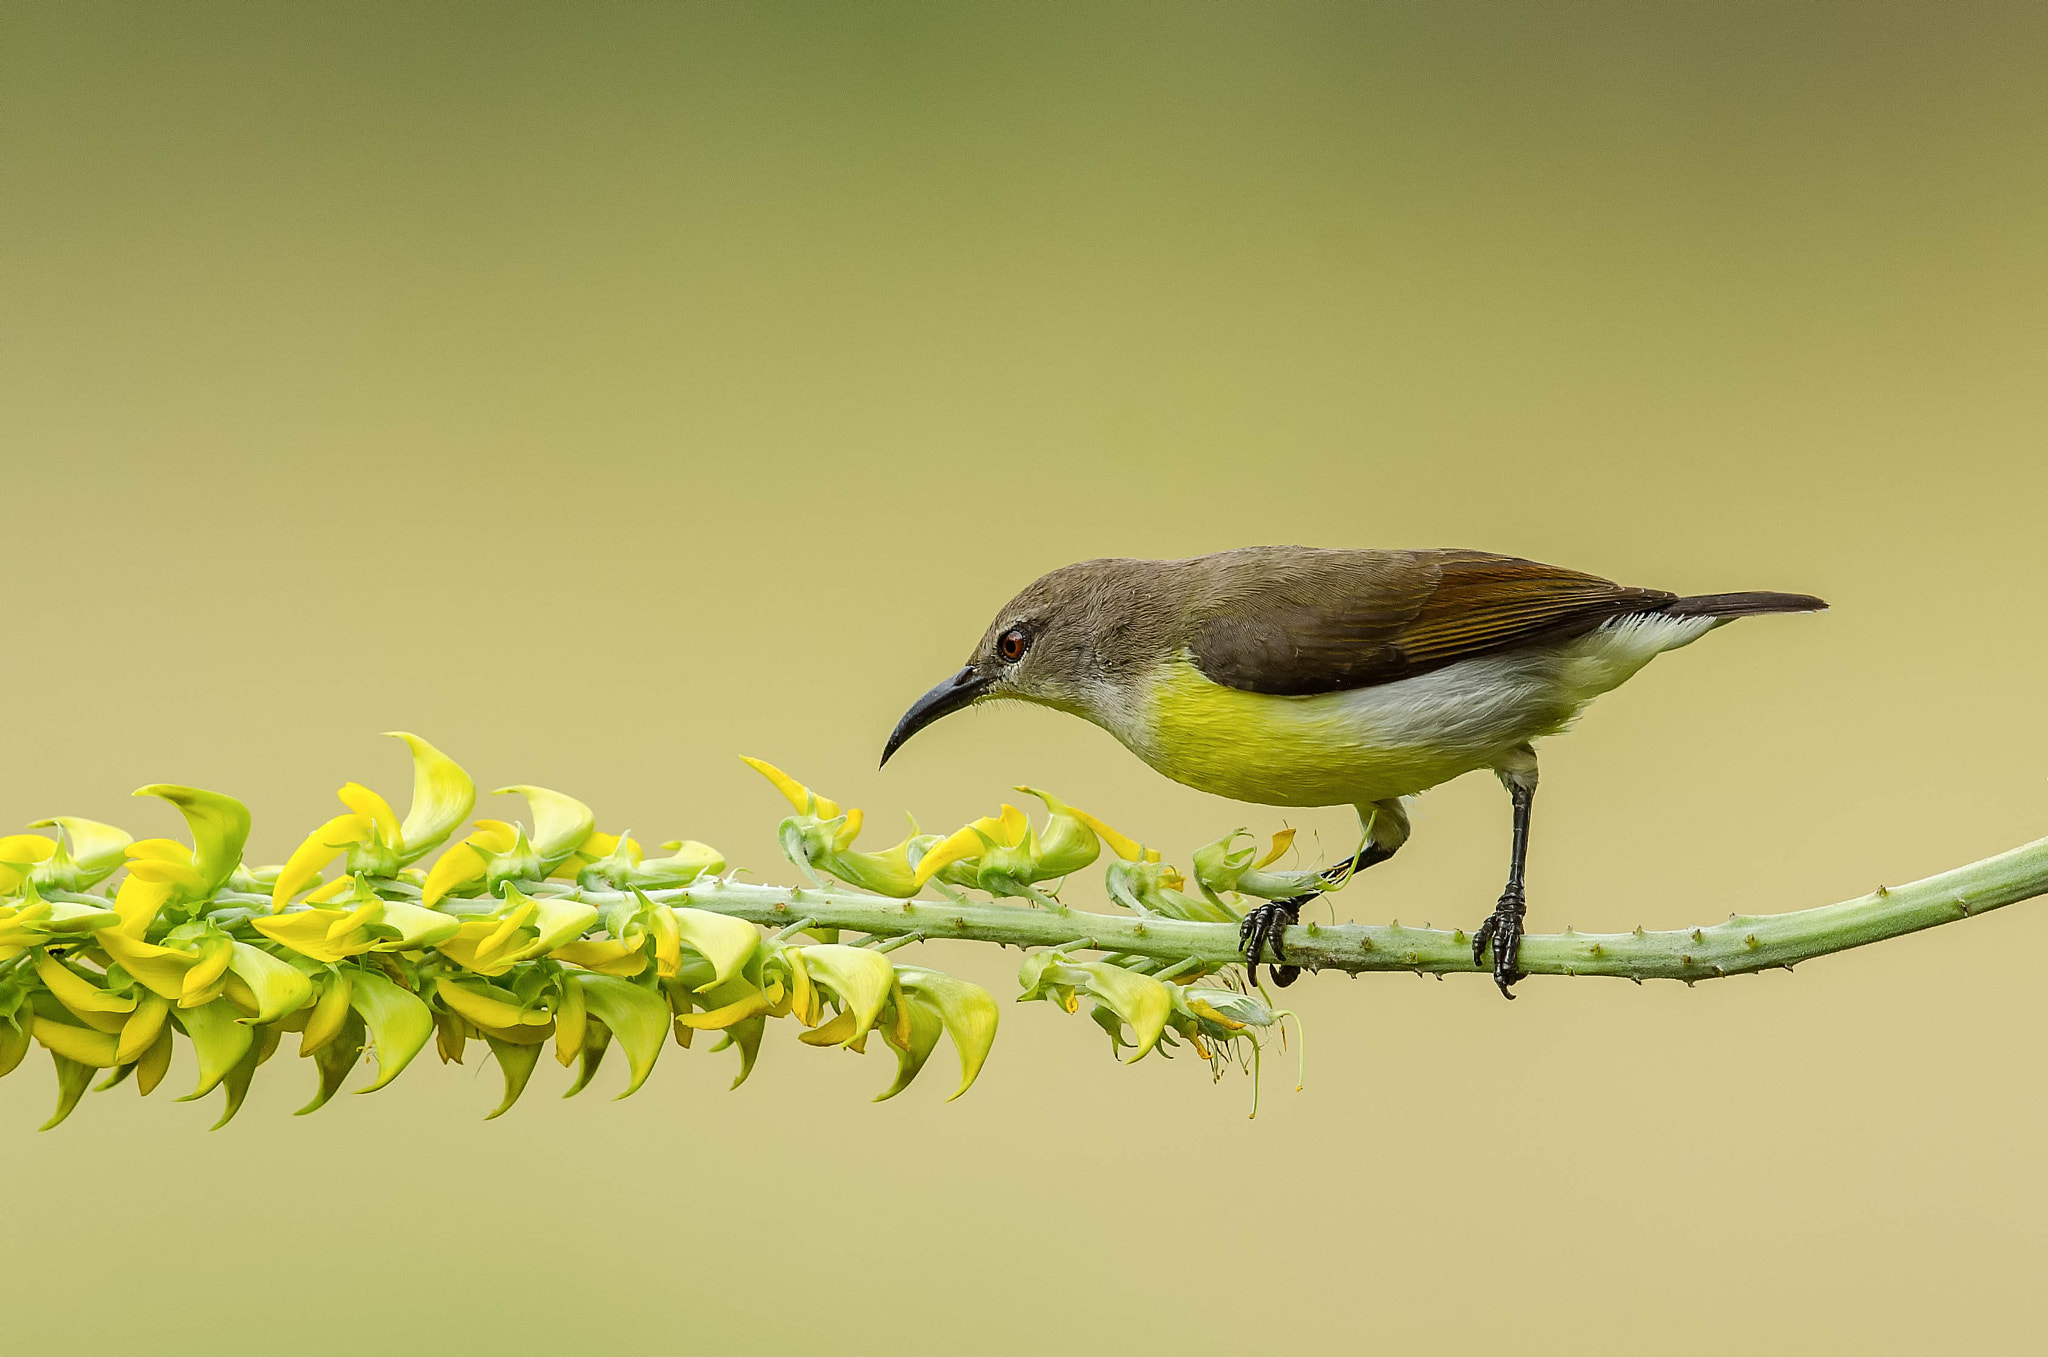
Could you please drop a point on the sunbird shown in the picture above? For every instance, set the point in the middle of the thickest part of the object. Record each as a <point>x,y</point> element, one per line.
<point>1307,676</point>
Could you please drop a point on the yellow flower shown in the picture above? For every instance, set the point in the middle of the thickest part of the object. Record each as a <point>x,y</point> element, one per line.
<point>615,860</point>
<point>560,823</point>
<point>20,855</point>
<point>519,929</point>
<point>1221,869</point>
<point>398,1021</point>
<point>859,982</point>
<point>820,835</point>
<point>1072,838</point>
<point>597,1008</point>
<point>498,852</point>
<point>1146,1004</point>
<point>332,929</point>
<point>164,872</point>
<point>936,1001</point>
<point>197,964</point>
<point>620,850</point>
<point>376,843</point>
<point>494,845</point>
<point>89,1003</point>
<point>496,1011</point>
<point>1002,855</point>
<point>31,921</point>
<point>86,854</point>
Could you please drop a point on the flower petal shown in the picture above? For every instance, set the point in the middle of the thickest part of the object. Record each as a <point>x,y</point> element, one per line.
<point>727,943</point>
<point>559,822</point>
<point>806,801</point>
<point>962,844</point>
<point>860,978</point>
<point>607,957</point>
<point>95,851</point>
<point>968,1011</point>
<point>143,1027</point>
<point>1282,841</point>
<point>83,1044</point>
<point>77,993</point>
<point>321,847</point>
<point>442,796</point>
<point>373,808</point>
<point>914,1040</point>
<point>219,825</point>
<point>161,969</point>
<point>330,1012</point>
<point>279,987</point>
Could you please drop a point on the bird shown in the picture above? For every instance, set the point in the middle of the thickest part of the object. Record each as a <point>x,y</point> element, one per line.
<point>1320,676</point>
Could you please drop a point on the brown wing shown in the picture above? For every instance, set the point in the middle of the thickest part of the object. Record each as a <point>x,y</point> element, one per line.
<point>1299,621</point>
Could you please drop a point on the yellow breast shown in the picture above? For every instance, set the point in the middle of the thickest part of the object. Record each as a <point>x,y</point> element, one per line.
<point>1329,749</point>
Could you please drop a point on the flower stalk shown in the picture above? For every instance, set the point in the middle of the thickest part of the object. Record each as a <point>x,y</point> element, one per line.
<point>564,937</point>
<point>1739,945</point>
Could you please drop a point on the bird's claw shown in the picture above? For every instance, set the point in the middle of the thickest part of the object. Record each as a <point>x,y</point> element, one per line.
<point>1261,932</point>
<point>1503,931</point>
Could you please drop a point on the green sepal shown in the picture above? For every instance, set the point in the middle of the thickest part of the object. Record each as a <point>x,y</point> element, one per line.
<point>637,1016</point>
<point>515,1062</point>
<point>399,1022</point>
<point>334,1060</point>
<point>72,1079</point>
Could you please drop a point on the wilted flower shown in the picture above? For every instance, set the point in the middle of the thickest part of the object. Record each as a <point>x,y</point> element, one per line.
<point>1146,1004</point>
<point>1154,888</point>
<point>1221,869</point>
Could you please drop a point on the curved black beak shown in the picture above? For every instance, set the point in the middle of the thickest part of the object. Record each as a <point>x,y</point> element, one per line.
<point>949,697</point>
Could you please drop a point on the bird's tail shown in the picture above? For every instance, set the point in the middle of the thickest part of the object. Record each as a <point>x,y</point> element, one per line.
<point>1725,606</point>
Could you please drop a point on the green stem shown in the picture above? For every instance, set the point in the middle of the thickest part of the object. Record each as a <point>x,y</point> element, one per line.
<point>1745,942</point>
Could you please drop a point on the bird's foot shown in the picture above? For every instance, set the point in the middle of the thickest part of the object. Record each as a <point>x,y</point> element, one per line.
<point>1503,931</point>
<point>1261,932</point>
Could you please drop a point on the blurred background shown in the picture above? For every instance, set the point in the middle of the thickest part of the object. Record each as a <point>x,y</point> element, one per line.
<point>607,390</point>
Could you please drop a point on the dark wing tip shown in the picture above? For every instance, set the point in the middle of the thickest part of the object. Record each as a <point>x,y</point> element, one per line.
<point>1744,605</point>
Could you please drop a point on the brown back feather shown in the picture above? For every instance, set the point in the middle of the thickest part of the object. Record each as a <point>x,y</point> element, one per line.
<point>1298,620</point>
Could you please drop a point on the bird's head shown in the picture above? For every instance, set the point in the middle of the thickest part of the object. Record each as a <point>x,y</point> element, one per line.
<point>1072,639</point>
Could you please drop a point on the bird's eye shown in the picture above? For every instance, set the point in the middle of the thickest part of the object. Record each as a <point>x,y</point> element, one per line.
<point>1012,644</point>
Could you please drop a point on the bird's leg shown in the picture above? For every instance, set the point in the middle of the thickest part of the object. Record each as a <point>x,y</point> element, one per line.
<point>1386,831</point>
<point>1503,928</point>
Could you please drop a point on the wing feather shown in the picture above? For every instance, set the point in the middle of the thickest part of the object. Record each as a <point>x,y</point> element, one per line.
<point>1307,621</point>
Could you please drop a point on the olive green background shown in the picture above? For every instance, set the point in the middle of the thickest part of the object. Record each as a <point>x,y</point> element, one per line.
<point>605,391</point>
